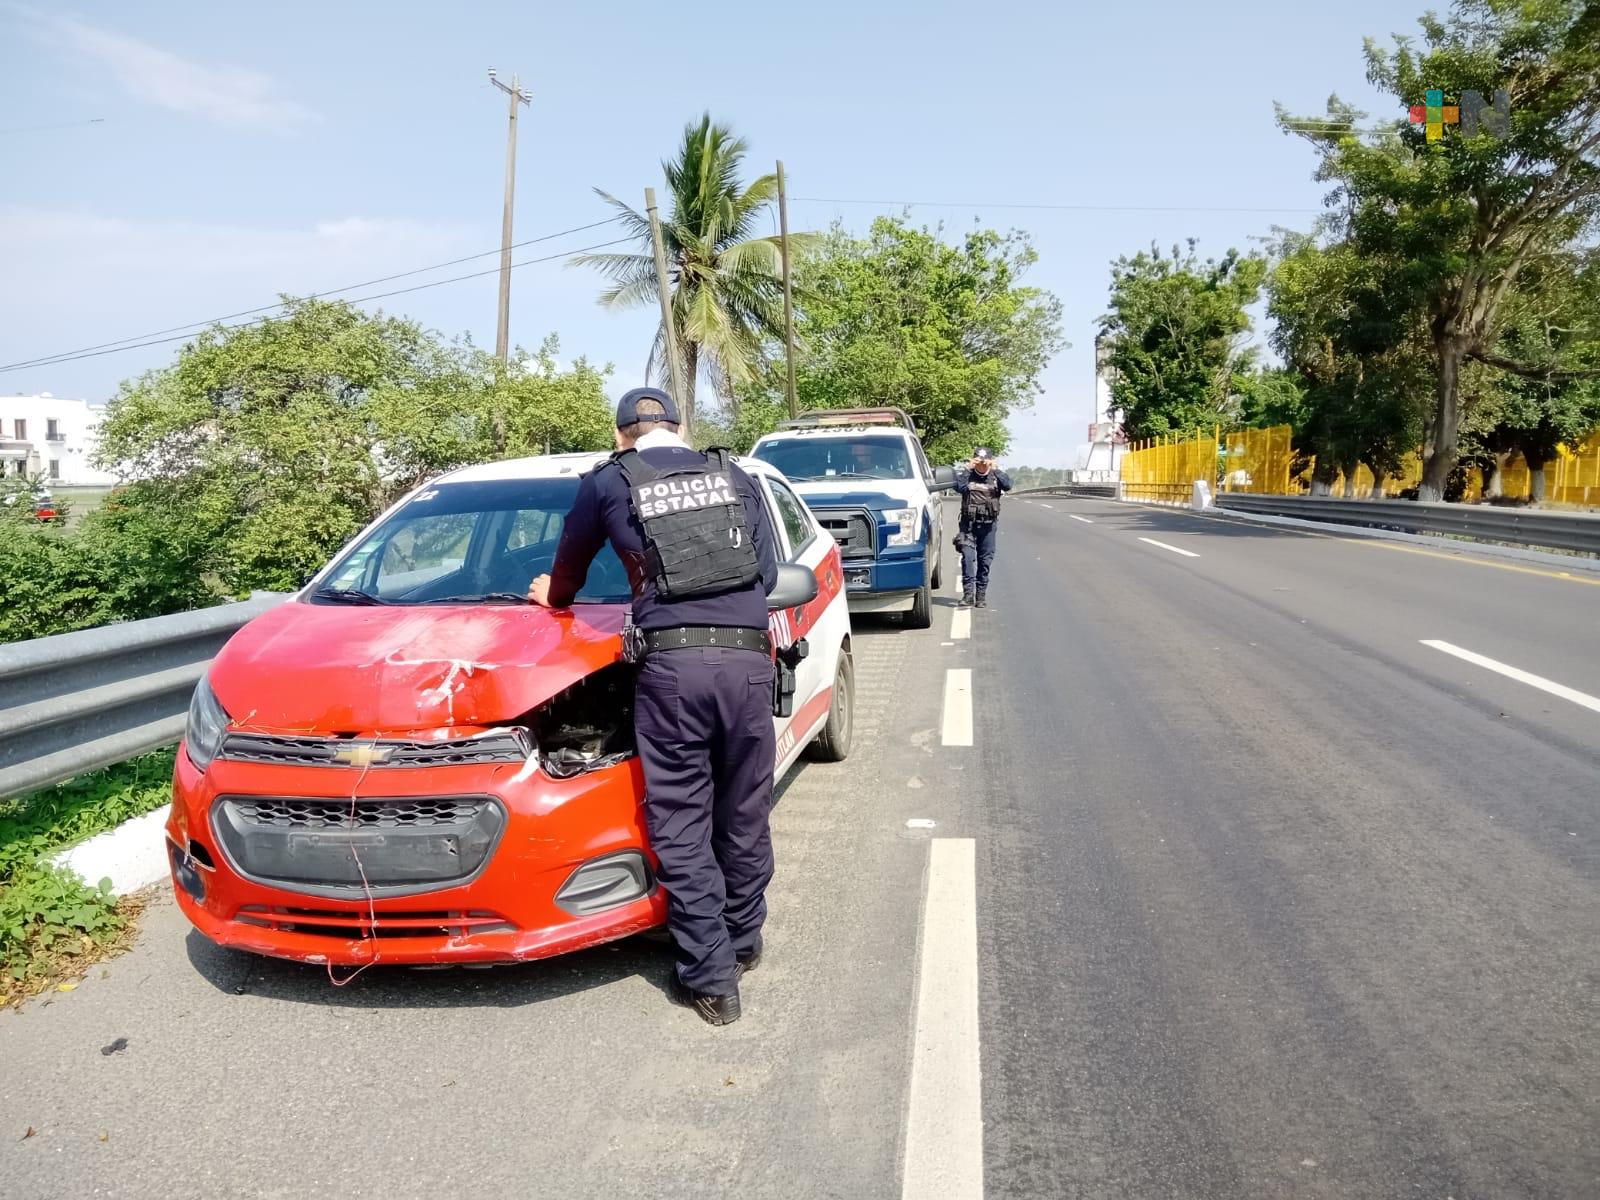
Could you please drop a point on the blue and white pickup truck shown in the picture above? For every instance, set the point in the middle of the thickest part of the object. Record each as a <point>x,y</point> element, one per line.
<point>864,475</point>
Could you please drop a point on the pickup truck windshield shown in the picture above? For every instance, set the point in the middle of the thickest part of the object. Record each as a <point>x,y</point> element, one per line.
<point>478,542</point>
<point>812,458</point>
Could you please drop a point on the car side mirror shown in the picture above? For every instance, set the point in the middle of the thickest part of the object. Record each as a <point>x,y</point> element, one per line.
<point>796,586</point>
<point>944,478</point>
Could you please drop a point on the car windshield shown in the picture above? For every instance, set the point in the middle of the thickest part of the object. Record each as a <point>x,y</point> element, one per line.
<point>472,542</point>
<point>807,459</point>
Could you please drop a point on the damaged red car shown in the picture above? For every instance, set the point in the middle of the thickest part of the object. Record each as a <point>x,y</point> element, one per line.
<point>408,763</point>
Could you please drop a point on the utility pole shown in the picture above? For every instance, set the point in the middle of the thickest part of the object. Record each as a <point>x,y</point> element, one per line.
<point>502,336</point>
<point>788,291</point>
<point>664,290</point>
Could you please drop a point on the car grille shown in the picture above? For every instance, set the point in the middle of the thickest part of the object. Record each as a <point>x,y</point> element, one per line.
<point>338,848</point>
<point>500,746</point>
<point>286,813</point>
<point>348,923</point>
<point>854,531</point>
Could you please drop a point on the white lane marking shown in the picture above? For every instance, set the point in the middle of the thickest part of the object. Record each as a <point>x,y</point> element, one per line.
<point>1174,549</point>
<point>1076,517</point>
<point>1537,681</point>
<point>958,706</point>
<point>1051,507</point>
<point>961,623</point>
<point>921,823</point>
<point>944,1121</point>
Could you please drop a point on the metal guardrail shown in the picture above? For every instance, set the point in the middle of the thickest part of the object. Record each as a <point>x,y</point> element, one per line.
<point>1104,491</point>
<point>77,701</point>
<point>1519,527</point>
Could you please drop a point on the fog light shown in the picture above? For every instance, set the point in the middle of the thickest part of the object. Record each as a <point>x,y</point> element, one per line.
<point>187,874</point>
<point>605,883</point>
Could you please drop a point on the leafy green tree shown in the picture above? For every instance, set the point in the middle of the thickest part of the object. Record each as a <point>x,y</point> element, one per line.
<point>727,283</point>
<point>1174,338</point>
<point>263,448</point>
<point>902,317</point>
<point>1460,218</point>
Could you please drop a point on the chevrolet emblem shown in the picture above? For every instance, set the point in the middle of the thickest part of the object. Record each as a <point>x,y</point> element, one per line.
<point>365,755</point>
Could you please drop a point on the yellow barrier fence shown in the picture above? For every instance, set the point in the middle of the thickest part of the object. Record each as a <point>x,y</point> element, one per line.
<point>1166,468</point>
<point>1258,461</point>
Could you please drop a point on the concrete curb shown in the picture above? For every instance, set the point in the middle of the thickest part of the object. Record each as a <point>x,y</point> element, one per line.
<point>132,856</point>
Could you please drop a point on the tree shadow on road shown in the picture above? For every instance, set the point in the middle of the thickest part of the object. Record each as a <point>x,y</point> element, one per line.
<point>647,957</point>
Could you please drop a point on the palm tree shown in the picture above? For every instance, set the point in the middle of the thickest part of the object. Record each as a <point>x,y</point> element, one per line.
<point>727,284</point>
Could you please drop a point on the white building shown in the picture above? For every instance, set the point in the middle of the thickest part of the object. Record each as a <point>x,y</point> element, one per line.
<point>1100,458</point>
<point>52,437</point>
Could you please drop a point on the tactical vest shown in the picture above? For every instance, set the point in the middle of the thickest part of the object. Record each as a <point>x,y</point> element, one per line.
<point>981,504</point>
<point>696,540</point>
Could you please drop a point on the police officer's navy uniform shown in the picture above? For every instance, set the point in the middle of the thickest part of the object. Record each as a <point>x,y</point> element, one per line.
<point>702,712</point>
<point>980,526</point>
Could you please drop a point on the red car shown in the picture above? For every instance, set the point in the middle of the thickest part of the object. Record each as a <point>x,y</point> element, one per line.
<point>408,763</point>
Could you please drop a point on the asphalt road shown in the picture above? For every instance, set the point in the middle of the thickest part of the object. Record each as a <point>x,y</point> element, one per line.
<point>1272,899</point>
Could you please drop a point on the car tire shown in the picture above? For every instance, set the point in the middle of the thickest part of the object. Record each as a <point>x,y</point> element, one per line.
<point>833,743</point>
<point>921,614</point>
<point>936,549</point>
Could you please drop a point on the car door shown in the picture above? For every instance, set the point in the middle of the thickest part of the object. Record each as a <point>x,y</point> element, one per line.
<point>805,545</point>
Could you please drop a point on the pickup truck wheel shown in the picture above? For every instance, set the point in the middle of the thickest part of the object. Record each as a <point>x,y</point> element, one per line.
<point>833,743</point>
<point>921,614</point>
<point>937,551</point>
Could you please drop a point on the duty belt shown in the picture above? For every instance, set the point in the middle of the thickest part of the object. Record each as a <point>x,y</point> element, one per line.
<point>691,637</point>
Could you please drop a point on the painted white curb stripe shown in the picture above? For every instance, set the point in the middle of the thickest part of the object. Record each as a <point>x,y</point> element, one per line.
<point>1076,517</point>
<point>961,623</point>
<point>1538,681</point>
<point>958,706</point>
<point>944,1121</point>
<point>1174,549</point>
<point>133,855</point>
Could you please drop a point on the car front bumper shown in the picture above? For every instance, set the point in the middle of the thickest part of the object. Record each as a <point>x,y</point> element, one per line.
<point>506,909</point>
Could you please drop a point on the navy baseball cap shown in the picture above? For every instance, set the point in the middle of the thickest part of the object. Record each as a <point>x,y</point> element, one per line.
<point>628,406</point>
<point>983,452</point>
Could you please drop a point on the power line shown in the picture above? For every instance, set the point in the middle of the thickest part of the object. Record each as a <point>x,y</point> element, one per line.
<point>58,125</point>
<point>142,338</point>
<point>1052,207</point>
<point>97,353</point>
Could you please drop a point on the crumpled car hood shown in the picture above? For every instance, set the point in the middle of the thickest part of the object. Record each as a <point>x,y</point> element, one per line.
<point>324,668</point>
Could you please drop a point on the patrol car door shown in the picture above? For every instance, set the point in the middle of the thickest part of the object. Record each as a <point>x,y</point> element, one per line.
<point>804,545</point>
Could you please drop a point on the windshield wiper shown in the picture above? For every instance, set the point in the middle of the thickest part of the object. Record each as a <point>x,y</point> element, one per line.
<point>483,598</point>
<point>348,596</point>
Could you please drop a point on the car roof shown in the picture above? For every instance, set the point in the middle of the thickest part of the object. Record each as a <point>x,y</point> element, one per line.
<point>558,466</point>
<point>855,432</point>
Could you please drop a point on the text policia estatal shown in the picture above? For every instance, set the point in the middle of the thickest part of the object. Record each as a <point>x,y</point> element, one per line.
<point>675,495</point>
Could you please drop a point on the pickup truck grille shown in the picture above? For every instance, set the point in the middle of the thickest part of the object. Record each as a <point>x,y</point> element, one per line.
<point>854,530</point>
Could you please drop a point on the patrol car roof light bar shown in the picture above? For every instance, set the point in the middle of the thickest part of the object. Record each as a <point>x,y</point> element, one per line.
<point>817,418</point>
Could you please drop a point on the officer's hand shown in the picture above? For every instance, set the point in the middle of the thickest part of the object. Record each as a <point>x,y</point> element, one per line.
<point>539,591</point>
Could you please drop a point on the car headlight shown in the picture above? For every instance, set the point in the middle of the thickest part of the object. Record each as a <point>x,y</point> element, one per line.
<point>202,737</point>
<point>909,521</point>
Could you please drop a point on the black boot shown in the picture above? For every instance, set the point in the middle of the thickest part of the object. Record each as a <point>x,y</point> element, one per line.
<point>966,598</point>
<point>982,601</point>
<point>712,1008</point>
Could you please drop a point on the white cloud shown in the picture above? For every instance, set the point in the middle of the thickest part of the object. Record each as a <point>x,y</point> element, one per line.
<point>227,95</point>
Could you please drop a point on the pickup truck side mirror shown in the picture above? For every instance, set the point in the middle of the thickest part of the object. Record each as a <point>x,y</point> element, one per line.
<point>944,478</point>
<point>796,586</point>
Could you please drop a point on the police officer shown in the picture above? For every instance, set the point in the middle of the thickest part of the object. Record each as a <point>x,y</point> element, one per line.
<point>980,487</point>
<point>699,549</point>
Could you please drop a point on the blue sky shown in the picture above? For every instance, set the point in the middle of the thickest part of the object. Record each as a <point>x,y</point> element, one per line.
<point>248,150</point>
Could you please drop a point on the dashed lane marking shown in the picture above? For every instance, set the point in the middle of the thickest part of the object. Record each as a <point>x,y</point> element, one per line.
<point>1174,549</point>
<point>944,1119</point>
<point>960,624</point>
<point>958,707</point>
<point>1076,517</point>
<point>1536,681</point>
<point>1051,507</point>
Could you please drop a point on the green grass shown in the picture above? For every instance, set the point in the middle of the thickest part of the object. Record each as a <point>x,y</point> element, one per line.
<point>50,922</point>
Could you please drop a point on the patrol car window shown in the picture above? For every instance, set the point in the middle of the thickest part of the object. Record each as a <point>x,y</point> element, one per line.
<point>805,460</point>
<point>468,540</point>
<point>796,521</point>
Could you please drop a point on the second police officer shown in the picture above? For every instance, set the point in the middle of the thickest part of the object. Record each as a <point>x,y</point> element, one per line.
<point>700,573</point>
